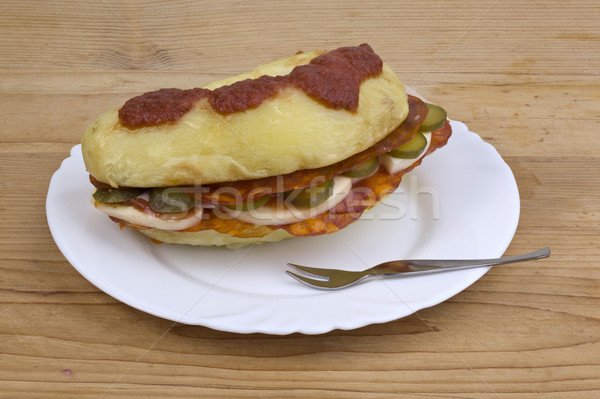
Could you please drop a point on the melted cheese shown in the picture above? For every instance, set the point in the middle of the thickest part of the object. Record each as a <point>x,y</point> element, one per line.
<point>284,212</point>
<point>135,216</point>
<point>395,165</point>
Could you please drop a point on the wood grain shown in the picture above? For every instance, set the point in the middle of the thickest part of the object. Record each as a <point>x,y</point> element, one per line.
<point>524,75</point>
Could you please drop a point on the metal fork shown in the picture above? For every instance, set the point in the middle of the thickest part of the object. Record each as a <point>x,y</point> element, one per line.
<point>333,279</point>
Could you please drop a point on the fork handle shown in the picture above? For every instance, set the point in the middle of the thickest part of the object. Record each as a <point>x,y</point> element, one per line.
<point>424,265</point>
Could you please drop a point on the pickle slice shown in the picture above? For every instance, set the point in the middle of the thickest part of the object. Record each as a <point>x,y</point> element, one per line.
<point>435,119</point>
<point>249,206</point>
<point>116,194</point>
<point>310,197</point>
<point>365,169</point>
<point>412,149</point>
<point>170,200</point>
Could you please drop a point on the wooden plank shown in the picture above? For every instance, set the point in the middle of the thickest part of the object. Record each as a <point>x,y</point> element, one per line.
<point>523,75</point>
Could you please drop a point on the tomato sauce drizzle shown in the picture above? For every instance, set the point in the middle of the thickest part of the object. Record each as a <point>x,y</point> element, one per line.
<point>332,78</point>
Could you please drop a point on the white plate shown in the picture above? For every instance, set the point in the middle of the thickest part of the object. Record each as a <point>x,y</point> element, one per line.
<point>462,202</point>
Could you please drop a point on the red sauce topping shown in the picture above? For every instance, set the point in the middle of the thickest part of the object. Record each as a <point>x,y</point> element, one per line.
<point>245,94</point>
<point>333,79</point>
<point>161,106</point>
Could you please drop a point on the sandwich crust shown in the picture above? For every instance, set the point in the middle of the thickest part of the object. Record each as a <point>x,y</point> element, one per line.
<point>287,132</point>
<point>212,237</point>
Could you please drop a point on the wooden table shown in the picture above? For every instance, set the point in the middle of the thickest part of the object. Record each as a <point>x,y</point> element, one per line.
<point>524,75</point>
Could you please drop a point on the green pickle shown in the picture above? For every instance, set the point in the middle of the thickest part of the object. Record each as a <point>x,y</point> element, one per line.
<point>365,169</point>
<point>249,206</point>
<point>412,149</point>
<point>170,200</point>
<point>435,119</point>
<point>114,195</point>
<point>310,197</point>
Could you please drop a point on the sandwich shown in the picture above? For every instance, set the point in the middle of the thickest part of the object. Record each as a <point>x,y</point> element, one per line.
<point>302,146</point>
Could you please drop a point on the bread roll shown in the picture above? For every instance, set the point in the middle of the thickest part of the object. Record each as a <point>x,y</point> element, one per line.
<point>291,149</point>
<point>287,132</point>
<point>212,238</point>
